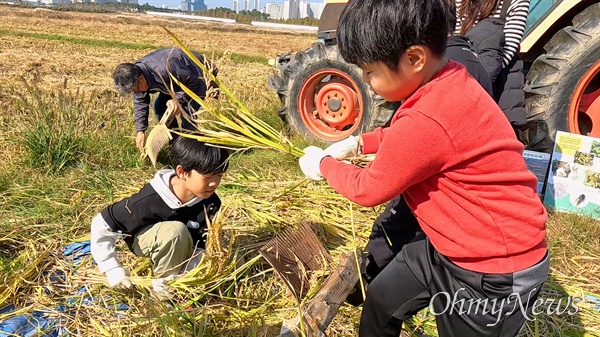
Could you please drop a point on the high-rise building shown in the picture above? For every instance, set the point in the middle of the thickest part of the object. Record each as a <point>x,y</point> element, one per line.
<point>304,9</point>
<point>199,5</point>
<point>192,5</point>
<point>274,10</point>
<point>291,9</point>
<point>236,6</point>
<point>246,5</point>
<point>317,9</point>
<point>185,6</point>
<point>56,2</point>
<point>257,5</point>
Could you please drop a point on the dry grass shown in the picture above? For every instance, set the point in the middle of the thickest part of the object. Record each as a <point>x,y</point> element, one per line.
<point>264,191</point>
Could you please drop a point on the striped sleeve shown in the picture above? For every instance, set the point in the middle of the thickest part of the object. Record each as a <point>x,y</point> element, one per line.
<point>514,28</point>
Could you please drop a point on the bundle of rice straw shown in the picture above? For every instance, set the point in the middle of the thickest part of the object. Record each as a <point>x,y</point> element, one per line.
<point>239,129</point>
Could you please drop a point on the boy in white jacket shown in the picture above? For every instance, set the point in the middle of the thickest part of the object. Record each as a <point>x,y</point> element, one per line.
<point>165,220</point>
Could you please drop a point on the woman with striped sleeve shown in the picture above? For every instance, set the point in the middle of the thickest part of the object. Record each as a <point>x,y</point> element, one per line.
<point>496,28</point>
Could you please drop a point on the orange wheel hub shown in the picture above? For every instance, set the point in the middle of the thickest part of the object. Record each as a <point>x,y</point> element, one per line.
<point>584,110</point>
<point>335,105</point>
<point>330,104</point>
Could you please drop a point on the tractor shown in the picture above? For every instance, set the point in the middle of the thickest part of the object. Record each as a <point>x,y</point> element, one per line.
<point>325,98</point>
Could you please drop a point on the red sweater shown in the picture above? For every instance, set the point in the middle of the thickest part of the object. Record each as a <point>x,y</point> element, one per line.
<point>454,156</point>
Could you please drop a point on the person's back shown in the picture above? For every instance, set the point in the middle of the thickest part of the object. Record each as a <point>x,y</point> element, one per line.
<point>153,74</point>
<point>161,63</point>
<point>482,185</point>
<point>461,50</point>
<point>496,28</point>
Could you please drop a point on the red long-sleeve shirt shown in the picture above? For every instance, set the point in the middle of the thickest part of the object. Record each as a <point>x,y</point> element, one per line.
<point>453,155</point>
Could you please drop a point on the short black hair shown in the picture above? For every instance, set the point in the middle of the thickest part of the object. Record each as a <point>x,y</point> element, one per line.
<point>126,76</point>
<point>194,155</point>
<point>382,30</point>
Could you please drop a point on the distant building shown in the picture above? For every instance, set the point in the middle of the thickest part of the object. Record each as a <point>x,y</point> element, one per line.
<point>316,9</point>
<point>291,9</point>
<point>274,10</point>
<point>236,5</point>
<point>294,9</point>
<point>192,6</point>
<point>185,6</point>
<point>246,5</point>
<point>56,2</point>
<point>257,5</point>
<point>304,10</point>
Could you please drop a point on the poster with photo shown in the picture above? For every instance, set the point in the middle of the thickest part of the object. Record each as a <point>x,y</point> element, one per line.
<point>574,175</point>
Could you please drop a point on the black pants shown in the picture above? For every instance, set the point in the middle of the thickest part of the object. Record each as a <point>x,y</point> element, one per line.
<point>465,303</point>
<point>160,107</point>
<point>392,229</point>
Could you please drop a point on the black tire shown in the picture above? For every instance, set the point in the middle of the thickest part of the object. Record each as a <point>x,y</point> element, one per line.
<point>553,77</point>
<point>294,71</point>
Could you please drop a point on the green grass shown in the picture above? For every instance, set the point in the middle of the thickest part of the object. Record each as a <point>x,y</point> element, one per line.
<point>235,57</point>
<point>79,40</point>
<point>52,148</point>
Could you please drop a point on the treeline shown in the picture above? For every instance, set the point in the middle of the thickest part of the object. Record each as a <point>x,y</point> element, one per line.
<point>241,16</point>
<point>245,16</point>
<point>303,21</point>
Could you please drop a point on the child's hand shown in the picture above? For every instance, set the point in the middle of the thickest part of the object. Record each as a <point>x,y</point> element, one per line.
<point>343,149</point>
<point>161,287</point>
<point>310,161</point>
<point>118,278</point>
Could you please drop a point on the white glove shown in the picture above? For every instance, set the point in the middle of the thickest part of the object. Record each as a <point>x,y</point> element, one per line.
<point>343,149</point>
<point>118,278</point>
<point>161,288</point>
<point>310,161</point>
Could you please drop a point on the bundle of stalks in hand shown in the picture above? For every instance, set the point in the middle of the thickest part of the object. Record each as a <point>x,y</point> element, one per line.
<point>235,128</point>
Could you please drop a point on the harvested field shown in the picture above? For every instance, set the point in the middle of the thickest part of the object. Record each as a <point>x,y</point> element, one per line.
<point>55,81</point>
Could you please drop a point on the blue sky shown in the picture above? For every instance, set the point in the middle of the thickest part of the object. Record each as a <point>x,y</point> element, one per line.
<point>209,3</point>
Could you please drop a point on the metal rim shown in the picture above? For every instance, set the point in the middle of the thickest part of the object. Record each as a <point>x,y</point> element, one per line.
<point>330,104</point>
<point>584,109</point>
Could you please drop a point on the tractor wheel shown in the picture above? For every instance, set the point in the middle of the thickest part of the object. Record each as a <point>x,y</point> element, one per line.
<point>563,85</point>
<point>324,97</point>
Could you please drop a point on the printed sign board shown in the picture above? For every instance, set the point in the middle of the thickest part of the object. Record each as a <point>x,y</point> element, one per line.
<point>537,162</point>
<point>574,175</point>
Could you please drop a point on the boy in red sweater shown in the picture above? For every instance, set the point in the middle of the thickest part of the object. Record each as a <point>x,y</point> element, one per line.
<point>484,259</point>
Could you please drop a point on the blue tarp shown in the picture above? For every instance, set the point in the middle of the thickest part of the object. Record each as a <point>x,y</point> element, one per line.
<point>41,324</point>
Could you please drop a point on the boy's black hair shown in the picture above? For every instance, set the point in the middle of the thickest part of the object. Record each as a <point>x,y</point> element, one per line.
<point>126,76</point>
<point>382,30</point>
<point>194,155</point>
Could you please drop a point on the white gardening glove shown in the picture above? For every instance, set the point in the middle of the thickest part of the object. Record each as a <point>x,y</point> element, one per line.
<point>343,149</point>
<point>310,161</point>
<point>118,278</point>
<point>161,288</point>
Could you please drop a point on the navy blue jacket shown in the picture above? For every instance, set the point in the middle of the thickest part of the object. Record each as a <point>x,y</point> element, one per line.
<point>157,68</point>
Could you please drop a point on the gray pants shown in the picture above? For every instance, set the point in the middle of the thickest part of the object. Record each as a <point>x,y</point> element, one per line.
<point>168,244</point>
